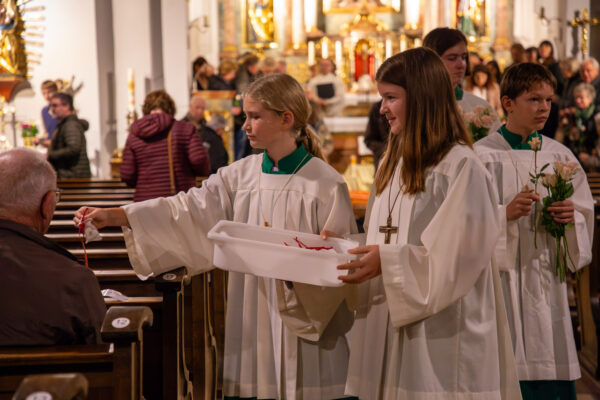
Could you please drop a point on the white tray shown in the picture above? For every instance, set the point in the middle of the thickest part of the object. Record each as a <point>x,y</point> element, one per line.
<point>261,251</point>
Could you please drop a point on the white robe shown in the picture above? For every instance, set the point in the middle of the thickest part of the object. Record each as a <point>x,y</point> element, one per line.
<point>536,300</point>
<point>433,325</point>
<point>279,342</point>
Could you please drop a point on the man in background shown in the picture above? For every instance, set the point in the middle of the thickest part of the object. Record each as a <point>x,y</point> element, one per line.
<point>209,132</point>
<point>68,149</point>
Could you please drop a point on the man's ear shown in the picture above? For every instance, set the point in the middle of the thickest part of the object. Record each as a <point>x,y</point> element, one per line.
<point>47,207</point>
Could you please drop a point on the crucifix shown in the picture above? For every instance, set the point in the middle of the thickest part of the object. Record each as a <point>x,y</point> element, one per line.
<point>584,22</point>
<point>388,229</point>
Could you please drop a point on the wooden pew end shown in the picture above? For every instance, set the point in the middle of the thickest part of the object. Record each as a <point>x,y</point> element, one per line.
<point>53,386</point>
<point>125,323</point>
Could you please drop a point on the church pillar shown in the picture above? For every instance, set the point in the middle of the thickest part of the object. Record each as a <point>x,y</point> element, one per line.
<point>430,16</point>
<point>502,40</point>
<point>176,63</point>
<point>106,85</point>
<point>230,28</point>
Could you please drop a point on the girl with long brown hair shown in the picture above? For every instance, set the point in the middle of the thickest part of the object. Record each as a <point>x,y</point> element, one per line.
<point>282,340</point>
<point>430,322</point>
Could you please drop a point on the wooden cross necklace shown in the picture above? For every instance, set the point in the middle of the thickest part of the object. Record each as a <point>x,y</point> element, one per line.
<point>388,229</point>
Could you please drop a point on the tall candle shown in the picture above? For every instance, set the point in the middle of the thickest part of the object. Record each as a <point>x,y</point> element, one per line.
<point>388,48</point>
<point>311,53</point>
<point>131,90</point>
<point>338,56</point>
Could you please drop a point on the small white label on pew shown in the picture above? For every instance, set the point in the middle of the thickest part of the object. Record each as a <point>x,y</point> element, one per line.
<point>39,396</point>
<point>120,323</point>
<point>169,277</point>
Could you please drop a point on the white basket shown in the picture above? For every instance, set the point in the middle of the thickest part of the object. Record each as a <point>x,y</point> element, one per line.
<point>261,251</point>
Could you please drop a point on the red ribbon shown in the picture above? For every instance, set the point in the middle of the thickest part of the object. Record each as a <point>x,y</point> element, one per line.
<point>82,236</point>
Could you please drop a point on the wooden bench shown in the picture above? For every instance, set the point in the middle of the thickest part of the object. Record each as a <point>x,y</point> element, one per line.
<point>59,386</point>
<point>113,370</point>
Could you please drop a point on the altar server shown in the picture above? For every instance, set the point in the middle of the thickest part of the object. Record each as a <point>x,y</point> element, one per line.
<point>451,45</point>
<point>430,321</point>
<point>282,340</point>
<point>536,299</point>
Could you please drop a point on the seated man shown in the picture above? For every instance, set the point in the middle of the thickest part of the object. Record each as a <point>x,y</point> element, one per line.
<point>47,297</point>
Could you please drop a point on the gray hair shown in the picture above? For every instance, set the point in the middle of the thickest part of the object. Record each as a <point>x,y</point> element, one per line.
<point>593,61</point>
<point>571,63</point>
<point>585,87</point>
<point>26,177</point>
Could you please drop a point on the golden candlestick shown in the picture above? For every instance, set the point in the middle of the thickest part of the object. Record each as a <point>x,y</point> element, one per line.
<point>585,23</point>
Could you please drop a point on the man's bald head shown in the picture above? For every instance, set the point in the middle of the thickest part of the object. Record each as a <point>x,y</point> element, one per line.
<point>27,181</point>
<point>197,107</point>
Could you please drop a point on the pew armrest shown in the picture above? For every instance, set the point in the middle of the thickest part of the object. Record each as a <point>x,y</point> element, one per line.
<point>126,323</point>
<point>172,281</point>
<point>62,386</point>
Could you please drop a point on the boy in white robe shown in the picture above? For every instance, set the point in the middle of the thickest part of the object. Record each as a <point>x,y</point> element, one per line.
<point>536,299</point>
<point>282,340</point>
<point>430,321</point>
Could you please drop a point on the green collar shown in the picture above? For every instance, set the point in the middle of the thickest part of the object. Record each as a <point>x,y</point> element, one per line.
<point>458,93</point>
<point>287,164</point>
<point>515,140</point>
<point>585,114</point>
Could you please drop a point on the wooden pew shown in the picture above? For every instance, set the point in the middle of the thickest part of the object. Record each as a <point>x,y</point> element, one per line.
<point>113,370</point>
<point>59,386</point>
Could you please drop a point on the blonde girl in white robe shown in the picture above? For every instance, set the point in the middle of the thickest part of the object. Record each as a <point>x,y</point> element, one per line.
<point>430,322</point>
<point>282,340</point>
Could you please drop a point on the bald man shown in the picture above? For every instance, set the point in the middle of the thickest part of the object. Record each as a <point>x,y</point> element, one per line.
<point>212,141</point>
<point>48,298</point>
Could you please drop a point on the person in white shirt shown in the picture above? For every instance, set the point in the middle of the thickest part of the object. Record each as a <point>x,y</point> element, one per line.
<point>327,89</point>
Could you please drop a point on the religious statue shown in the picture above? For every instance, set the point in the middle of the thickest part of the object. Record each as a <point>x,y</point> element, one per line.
<point>471,18</point>
<point>11,50</point>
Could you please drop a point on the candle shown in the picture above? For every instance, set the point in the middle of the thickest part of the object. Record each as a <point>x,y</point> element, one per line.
<point>324,49</point>
<point>131,90</point>
<point>388,48</point>
<point>338,56</point>
<point>402,43</point>
<point>311,53</point>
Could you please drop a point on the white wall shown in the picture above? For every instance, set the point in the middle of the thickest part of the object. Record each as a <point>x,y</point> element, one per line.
<point>69,50</point>
<point>176,63</point>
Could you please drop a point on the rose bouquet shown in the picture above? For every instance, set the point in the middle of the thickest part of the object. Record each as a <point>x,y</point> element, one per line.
<point>479,121</point>
<point>559,188</point>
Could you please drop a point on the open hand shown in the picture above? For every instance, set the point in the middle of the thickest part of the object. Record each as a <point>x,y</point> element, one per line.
<point>367,267</point>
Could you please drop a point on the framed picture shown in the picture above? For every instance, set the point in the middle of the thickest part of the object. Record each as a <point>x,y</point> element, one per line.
<point>258,24</point>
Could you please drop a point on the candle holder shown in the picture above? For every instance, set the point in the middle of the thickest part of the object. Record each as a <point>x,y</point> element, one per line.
<point>131,117</point>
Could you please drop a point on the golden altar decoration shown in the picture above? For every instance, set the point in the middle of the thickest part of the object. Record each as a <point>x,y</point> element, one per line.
<point>258,24</point>
<point>15,60</point>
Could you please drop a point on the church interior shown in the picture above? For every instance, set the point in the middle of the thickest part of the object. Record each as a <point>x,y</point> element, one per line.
<point>116,62</point>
